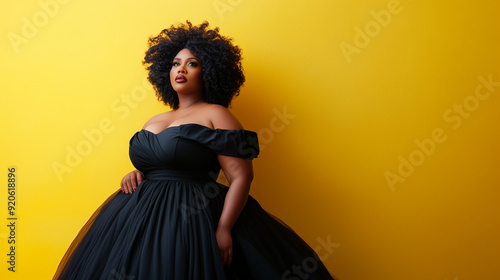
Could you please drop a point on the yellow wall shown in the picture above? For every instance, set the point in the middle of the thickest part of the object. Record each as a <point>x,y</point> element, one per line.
<point>380,130</point>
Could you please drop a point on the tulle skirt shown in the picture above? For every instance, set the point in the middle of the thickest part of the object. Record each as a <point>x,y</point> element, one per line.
<point>166,230</point>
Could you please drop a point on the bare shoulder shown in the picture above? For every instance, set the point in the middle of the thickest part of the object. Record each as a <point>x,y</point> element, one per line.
<point>160,118</point>
<point>221,117</point>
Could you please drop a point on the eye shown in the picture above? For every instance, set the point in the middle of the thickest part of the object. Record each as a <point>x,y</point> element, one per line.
<point>193,63</point>
<point>175,63</point>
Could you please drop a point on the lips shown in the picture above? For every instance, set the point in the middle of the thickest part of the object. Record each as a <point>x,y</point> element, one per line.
<point>180,79</point>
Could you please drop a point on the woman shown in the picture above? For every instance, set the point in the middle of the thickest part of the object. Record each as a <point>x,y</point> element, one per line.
<point>171,219</point>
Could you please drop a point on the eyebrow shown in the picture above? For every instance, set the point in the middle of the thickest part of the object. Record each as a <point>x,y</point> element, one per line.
<point>187,58</point>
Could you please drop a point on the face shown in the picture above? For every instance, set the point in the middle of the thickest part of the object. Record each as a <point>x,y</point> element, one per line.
<point>186,74</point>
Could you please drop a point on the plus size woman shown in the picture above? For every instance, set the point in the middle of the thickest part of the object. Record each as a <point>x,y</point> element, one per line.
<point>171,219</point>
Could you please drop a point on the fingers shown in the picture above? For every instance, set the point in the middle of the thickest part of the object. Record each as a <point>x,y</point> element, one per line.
<point>224,258</point>
<point>125,185</point>
<point>130,182</point>
<point>129,186</point>
<point>227,256</point>
<point>137,179</point>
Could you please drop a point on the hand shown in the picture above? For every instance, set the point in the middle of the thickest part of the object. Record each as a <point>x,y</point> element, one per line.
<point>225,242</point>
<point>130,182</point>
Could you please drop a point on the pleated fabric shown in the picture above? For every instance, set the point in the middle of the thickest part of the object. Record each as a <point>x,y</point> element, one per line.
<point>166,228</point>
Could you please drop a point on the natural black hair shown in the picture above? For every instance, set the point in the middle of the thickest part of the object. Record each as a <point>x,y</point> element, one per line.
<point>222,72</point>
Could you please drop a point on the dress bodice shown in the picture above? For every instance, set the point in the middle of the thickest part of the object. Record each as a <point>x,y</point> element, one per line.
<point>189,148</point>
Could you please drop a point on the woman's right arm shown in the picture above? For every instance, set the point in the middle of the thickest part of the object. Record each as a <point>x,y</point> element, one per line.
<point>130,182</point>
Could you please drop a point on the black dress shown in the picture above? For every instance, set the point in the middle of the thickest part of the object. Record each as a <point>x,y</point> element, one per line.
<point>166,228</point>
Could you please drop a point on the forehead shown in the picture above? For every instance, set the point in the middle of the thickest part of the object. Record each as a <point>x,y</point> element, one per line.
<point>185,53</point>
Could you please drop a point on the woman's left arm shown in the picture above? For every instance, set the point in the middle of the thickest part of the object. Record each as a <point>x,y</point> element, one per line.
<point>239,173</point>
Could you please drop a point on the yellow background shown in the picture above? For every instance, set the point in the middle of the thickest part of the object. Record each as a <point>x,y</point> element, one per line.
<point>323,171</point>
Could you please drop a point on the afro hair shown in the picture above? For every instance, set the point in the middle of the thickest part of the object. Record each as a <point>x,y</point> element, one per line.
<point>221,62</point>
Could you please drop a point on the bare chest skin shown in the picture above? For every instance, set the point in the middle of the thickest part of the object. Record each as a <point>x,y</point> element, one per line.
<point>198,115</point>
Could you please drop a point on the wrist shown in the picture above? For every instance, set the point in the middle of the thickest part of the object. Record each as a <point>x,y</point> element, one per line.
<point>223,227</point>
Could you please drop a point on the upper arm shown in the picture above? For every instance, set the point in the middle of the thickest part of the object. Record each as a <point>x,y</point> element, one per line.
<point>221,117</point>
<point>233,167</point>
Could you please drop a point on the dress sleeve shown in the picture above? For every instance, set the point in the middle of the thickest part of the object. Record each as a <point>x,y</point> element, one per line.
<point>229,142</point>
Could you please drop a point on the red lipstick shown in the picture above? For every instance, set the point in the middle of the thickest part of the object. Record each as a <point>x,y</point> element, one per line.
<point>180,79</point>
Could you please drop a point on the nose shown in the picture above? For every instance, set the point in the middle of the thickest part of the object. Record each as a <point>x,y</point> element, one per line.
<point>181,70</point>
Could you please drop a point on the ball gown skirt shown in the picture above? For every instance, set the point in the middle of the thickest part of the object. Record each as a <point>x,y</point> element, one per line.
<point>166,228</point>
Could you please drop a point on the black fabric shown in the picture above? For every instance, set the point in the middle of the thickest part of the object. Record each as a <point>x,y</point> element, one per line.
<point>166,228</point>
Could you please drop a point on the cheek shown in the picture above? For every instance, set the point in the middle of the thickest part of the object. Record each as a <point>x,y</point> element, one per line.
<point>173,75</point>
<point>199,76</point>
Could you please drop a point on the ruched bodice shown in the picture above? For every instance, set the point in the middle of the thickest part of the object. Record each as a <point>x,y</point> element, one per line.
<point>190,147</point>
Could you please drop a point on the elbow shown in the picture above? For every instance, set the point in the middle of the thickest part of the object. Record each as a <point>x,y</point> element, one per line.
<point>248,177</point>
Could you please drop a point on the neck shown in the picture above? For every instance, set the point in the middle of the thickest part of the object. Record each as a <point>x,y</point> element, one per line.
<point>187,101</point>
